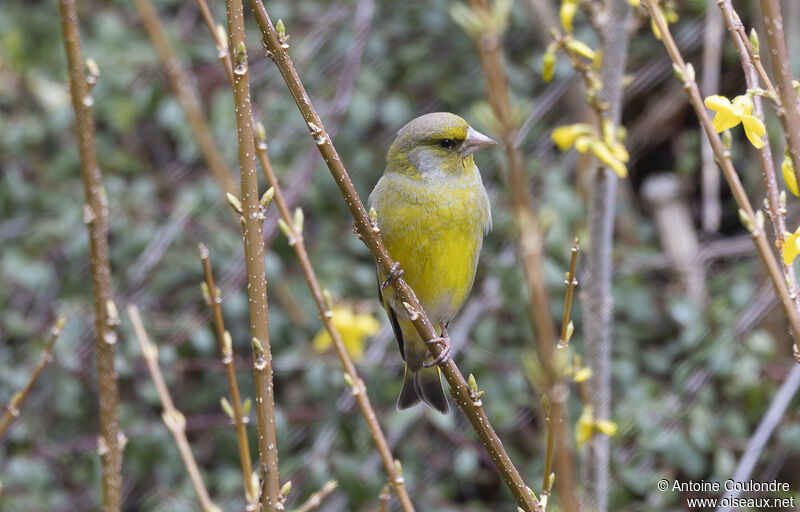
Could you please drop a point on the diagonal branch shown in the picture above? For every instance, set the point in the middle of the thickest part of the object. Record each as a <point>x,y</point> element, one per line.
<point>726,166</point>
<point>471,406</point>
<point>12,410</point>
<point>357,386</point>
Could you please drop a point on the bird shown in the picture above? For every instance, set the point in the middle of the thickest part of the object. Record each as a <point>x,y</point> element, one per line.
<point>432,212</point>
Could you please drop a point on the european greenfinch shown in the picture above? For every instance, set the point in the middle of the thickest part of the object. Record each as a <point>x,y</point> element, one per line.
<point>432,212</point>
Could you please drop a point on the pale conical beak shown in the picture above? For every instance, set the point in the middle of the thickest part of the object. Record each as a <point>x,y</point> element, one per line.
<point>475,141</point>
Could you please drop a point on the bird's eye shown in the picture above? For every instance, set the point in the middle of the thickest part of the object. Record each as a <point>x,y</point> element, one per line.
<point>447,143</point>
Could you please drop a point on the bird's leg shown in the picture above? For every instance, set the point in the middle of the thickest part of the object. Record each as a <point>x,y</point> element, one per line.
<point>393,274</point>
<point>447,346</point>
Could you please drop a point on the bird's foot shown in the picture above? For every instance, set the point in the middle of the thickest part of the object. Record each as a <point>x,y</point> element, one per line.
<point>393,274</point>
<point>447,348</point>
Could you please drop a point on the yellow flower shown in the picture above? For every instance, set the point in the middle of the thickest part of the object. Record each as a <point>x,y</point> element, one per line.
<point>730,114</point>
<point>788,175</point>
<point>608,157</point>
<point>585,426</point>
<point>354,328</point>
<point>565,136</point>
<point>790,247</point>
<point>567,12</point>
<point>606,427</point>
<point>548,65</point>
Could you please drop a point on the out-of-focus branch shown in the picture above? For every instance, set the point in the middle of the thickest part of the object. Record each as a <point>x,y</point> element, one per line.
<point>239,419</point>
<point>531,244</point>
<point>726,165</point>
<point>776,210</point>
<point>173,418</point>
<point>709,83</point>
<point>315,500</point>
<point>12,409</point>
<point>95,214</point>
<point>276,45</point>
<point>252,220</point>
<point>357,386</point>
<point>789,109</point>
<point>181,87</point>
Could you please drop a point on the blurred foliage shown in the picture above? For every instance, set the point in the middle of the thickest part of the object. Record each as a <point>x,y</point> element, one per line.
<point>690,387</point>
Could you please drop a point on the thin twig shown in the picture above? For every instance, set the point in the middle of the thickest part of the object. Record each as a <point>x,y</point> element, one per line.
<point>471,407</point>
<point>252,220</point>
<point>384,497</point>
<point>776,210</point>
<point>173,418</point>
<point>95,215</point>
<point>315,500</point>
<point>239,420</point>
<point>12,409</point>
<point>547,481</point>
<point>181,87</point>
<point>728,170</point>
<point>571,282</point>
<point>789,109</point>
<point>357,386</point>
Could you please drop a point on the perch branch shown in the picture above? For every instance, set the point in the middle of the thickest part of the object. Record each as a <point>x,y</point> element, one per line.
<point>471,406</point>
<point>315,500</point>
<point>357,386</point>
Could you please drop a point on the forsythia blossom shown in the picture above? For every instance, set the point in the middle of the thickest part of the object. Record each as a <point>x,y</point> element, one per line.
<point>790,247</point>
<point>788,175</point>
<point>354,329</point>
<point>587,426</point>
<point>730,114</point>
<point>584,138</point>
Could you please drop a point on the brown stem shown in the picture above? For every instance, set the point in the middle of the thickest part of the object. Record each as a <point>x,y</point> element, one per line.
<point>173,418</point>
<point>531,249</point>
<point>252,226</point>
<point>315,500</point>
<point>226,352</point>
<point>180,83</point>
<point>95,214</point>
<point>789,110</point>
<point>775,210</point>
<point>571,282</point>
<point>728,170</point>
<point>222,45</point>
<point>12,409</point>
<point>458,386</point>
<point>358,387</point>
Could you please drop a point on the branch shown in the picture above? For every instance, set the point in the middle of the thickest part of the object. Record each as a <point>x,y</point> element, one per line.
<point>315,500</point>
<point>252,219</point>
<point>95,214</point>
<point>239,419</point>
<point>571,282</point>
<point>776,209</point>
<point>12,409</point>
<point>726,165</point>
<point>180,83</point>
<point>531,244</point>
<point>471,407</point>
<point>789,109</point>
<point>173,418</point>
<point>357,386</point>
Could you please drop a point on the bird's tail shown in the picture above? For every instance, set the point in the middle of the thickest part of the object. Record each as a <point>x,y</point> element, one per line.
<point>423,384</point>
